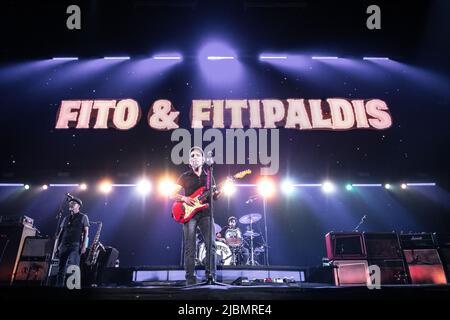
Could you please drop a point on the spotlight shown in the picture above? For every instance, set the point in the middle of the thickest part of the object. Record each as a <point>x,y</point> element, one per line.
<point>27,186</point>
<point>144,186</point>
<point>105,187</point>
<point>166,187</point>
<point>327,187</point>
<point>229,188</point>
<point>349,187</point>
<point>44,187</point>
<point>403,186</point>
<point>83,186</point>
<point>266,187</point>
<point>387,186</point>
<point>287,186</point>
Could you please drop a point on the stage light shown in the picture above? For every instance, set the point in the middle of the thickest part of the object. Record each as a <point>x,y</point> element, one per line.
<point>65,58</point>
<point>349,187</point>
<point>116,58</point>
<point>229,188</point>
<point>11,184</point>
<point>83,186</point>
<point>26,187</point>
<point>403,186</point>
<point>266,187</point>
<point>105,187</point>
<point>324,58</point>
<point>162,57</point>
<point>144,186</point>
<point>44,187</point>
<point>422,184</point>
<point>166,187</point>
<point>327,187</point>
<point>287,186</point>
<point>375,58</point>
<point>387,186</point>
<point>220,58</point>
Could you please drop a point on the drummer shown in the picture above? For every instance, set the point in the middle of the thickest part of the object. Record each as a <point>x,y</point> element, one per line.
<point>237,238</point>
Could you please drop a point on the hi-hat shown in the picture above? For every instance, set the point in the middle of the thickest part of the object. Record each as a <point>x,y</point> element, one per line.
<point>250,218</point>
<point>251,234</point>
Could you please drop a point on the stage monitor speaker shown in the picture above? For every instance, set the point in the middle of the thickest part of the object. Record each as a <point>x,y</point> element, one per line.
<point>12,238</point>
<point>345,245</point>
<point>393,271</point>
<point>383,246</point>
<point>425,266</point>
<point>350,272</point>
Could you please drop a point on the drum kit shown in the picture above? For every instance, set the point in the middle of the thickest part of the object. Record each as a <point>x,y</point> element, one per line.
<point>236,248</point>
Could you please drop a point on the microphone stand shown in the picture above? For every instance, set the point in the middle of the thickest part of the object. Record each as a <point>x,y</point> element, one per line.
<point>360,223</point>
<point>58,223</point>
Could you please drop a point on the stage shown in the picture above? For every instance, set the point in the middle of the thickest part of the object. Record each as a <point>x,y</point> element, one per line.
<point>298,291</point>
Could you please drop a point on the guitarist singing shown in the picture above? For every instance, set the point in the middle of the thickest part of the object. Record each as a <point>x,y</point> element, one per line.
<point>190,181</point>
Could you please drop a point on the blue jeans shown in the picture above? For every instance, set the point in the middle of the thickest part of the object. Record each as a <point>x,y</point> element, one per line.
<point>69,254</point>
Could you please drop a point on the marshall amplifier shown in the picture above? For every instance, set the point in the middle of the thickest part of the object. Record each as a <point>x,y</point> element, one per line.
<point>383,246</point>
<point>345,246</point>
<point>418,241</point>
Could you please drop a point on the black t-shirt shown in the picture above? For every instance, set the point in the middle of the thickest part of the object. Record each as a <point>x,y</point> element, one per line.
<point>72,228</point>
<point>191,182</point>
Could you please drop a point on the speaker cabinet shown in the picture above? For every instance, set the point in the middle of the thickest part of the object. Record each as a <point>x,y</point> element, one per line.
<point>382,246</point>
<point>12,238</point>
<point>345,246</point>
<point>34,261</point>
<point>392,271</point>
<point>350,272</point>
<point>425,266</point>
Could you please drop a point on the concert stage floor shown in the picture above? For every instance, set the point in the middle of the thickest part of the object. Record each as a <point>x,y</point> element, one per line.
<point>303,291</point>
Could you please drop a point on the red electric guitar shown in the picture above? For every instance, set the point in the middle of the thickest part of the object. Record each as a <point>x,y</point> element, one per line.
<point>183,212</point>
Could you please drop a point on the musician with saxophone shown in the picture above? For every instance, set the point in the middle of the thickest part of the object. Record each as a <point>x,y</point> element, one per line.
<point>72,239</point>
<point>190,181</point>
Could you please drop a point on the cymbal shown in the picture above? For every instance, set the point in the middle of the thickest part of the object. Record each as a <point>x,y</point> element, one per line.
<point>251,234</point>
<point>250,218</point>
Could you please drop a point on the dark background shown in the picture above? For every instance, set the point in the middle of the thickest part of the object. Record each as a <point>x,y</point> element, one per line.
<point>414,83</point>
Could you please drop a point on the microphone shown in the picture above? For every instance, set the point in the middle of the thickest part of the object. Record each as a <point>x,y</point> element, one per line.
<point>209,158</point>
<point>68,195</point>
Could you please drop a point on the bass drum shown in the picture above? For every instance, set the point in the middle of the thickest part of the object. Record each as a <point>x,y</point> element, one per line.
<point>223,254</point>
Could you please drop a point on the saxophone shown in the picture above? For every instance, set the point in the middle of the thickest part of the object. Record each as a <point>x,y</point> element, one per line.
<point>95,248</point>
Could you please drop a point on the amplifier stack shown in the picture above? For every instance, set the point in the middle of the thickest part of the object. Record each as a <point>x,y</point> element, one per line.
<point>408,258</point>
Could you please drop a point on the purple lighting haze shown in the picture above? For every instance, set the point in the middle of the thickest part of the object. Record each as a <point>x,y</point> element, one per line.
<point>219,65</point>
<point>271,57</point>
